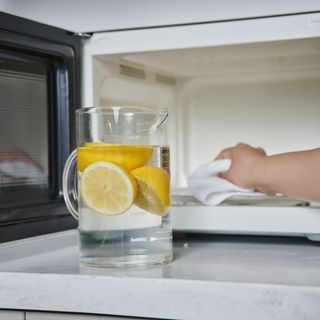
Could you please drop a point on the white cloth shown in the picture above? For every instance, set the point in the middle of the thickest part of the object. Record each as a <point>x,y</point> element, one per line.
<point>205,184</point>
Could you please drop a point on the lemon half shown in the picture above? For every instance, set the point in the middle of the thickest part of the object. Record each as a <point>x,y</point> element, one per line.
<point>153,189</point>
<point>107,188</point>
<point>125,155</point>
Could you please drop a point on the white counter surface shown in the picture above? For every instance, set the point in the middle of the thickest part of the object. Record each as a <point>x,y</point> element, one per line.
<point>212,277</point>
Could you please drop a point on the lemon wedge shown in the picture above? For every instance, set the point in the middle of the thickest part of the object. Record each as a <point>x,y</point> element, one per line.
<point>107,188</point>
<point>125,155</point>
<point>153,189</point>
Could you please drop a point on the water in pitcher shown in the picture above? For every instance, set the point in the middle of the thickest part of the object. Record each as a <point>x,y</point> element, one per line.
<point>124,222</point>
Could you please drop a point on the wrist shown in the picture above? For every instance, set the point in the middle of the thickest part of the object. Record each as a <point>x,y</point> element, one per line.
<point>259,174</point>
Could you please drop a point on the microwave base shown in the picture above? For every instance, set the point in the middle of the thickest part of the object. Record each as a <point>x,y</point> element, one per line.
<point>248,220</point>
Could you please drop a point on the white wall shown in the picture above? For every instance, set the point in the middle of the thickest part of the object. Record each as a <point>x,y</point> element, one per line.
<point>93,15</point>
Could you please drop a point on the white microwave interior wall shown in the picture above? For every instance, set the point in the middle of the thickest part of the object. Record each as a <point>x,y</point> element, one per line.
<point>265,94</point>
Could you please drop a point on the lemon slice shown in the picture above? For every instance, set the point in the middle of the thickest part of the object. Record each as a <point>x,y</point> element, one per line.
<point>125,155</point>
<point>107,189</point>
<point>153,189</point>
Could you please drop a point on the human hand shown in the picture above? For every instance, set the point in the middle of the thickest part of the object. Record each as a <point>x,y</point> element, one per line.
<point>245,164</point>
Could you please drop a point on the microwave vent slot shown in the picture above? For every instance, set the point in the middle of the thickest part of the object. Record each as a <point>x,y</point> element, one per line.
<point>132,71</point>
<point>164,79</point>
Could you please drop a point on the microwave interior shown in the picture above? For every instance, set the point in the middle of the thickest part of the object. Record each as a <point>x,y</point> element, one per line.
<point>264,94</point>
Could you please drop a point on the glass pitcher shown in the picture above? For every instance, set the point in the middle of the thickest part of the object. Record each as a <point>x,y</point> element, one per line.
<point>117,184</point>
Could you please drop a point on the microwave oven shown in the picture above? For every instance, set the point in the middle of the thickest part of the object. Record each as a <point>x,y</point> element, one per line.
<point>251,80</point>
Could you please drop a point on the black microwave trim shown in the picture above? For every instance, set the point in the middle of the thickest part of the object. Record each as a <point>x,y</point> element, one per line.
<point>38,30</point>
<point>60,50</point>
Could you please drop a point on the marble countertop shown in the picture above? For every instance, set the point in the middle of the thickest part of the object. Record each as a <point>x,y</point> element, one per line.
<point>223,277</point>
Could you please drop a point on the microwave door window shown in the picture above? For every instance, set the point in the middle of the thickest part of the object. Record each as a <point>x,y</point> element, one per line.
<point>39,93</point>
<point>24,169</point>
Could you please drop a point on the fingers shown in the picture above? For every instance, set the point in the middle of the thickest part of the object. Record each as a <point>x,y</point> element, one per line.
<point>226,175</point>
<point>262,151</point>
<point>240,151</point>
<point>241,144</point>
<point>223,175</point>
<point>227,153</point>
<point>224,154</point>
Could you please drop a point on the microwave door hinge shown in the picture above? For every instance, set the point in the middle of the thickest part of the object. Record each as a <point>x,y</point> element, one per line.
<point>83,35</point>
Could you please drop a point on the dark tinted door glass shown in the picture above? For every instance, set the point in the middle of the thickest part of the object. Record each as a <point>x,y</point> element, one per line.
<point>24,149</point>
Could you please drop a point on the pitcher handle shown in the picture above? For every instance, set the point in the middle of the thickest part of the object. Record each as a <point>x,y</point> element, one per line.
<point>69,184</point>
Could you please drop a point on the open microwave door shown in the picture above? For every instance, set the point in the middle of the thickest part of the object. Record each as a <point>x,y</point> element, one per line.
<point>39,80</point>
<point>254,79</point>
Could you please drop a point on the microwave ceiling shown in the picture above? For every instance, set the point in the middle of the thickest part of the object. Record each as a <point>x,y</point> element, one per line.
<point>290,55</point>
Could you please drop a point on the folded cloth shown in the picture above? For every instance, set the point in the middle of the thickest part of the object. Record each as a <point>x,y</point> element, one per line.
<point>205,184</point>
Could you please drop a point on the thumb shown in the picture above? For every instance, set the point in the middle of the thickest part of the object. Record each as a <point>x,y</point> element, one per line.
<point>223,175</point>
